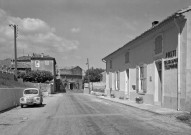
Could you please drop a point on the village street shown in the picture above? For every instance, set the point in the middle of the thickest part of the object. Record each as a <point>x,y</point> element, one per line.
<point>81,114</point>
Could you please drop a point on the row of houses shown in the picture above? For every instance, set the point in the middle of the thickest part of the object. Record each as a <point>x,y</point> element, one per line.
<point>156,65</point>
<point>70,77</point>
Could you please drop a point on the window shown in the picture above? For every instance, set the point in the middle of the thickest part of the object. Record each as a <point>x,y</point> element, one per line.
<point>37,63</point>
<point>127,57</point>
<point>141,79</point>
<point>31,91</point>
<point>118,81</point>
<point>158,44</point>
<point>46,62</point>
<point>110,62</point>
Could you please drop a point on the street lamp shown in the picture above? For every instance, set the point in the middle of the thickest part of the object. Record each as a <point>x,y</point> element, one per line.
<point>15,45</point>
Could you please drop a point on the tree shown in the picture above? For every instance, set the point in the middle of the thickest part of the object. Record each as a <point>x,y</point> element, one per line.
<point>38,76</point>
<point>94,74</point>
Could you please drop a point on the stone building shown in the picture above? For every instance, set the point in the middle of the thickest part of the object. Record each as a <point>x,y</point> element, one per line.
<point>71,77</point>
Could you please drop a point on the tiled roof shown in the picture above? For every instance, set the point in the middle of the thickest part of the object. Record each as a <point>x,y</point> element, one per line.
<point>24,58</point>
<point>69,68</point>
<point>21,65</point>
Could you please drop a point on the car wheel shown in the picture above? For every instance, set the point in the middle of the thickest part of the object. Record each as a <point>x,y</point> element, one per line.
<point>21,106</point>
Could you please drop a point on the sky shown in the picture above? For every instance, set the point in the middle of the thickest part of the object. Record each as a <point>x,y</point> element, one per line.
<point>74,30</point>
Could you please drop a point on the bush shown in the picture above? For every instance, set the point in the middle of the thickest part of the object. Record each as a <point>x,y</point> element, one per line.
<point>21,74</point>
<point>38,76</point>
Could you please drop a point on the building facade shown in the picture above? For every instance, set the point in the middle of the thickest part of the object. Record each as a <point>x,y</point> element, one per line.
<point>41,62</point>
<point>23,64</point>
<point>155,65</point>
<point>46,63</point>
<point>71,77</point>
<point>37,62</point>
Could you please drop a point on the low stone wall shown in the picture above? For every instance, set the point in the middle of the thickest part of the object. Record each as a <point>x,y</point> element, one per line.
<point>45,88</point>
<point>97,86</point>
<point>9,97</point>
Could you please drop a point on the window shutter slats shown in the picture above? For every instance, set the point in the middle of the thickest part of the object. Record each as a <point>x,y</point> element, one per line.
<point>137,79</point>
<point>158,44</point>
<point>145,79</point>
<point>118,80</point>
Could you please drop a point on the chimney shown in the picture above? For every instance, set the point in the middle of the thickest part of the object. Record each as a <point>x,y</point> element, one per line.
<point>154,23</point>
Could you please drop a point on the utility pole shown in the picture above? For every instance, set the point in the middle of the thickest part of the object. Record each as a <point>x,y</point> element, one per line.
<point>15,45</point>
<point>88,74</point>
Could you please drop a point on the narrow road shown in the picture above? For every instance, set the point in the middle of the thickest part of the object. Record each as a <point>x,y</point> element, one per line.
<point>79,114</point>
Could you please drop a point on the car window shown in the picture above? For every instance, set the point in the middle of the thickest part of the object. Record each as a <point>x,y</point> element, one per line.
<point>31,91</point>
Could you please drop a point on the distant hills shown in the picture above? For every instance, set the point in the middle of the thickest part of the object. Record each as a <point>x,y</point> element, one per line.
<point>5,62</point>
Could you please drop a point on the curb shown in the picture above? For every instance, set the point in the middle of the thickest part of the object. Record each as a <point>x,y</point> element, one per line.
<point>130,105</point>
<point>158,113</point>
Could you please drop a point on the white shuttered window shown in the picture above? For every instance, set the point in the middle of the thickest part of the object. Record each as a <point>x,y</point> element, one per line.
<point>141,78</point>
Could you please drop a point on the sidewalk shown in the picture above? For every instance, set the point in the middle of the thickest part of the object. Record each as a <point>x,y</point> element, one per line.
<point>147,107</point>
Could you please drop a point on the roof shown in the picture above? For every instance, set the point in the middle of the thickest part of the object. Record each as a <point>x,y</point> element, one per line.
<point>24,58</point>
<point>71,71</point>
<point>179,12</point>
<point>42,57</point>
<point>22,65</point>
<point>69,68</point>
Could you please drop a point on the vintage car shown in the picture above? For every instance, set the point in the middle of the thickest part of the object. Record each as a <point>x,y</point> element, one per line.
<point>31,96</point>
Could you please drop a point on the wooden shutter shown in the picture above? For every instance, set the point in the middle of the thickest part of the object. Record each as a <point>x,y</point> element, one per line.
<point>158,44</point>
<point>137,79</point>
<point>118,80</point>
<point>145,79</point>
<point>110,80</point>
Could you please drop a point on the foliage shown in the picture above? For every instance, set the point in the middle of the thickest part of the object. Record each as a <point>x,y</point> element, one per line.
<point>94,75</point>
<point>21,74</point>
<point>38,76</point>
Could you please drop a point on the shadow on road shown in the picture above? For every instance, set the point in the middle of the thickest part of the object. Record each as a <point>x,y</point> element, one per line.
<point>75,91</point>
<point>34,106</point>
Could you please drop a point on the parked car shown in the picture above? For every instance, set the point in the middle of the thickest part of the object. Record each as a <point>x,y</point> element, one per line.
<point>31,96</point>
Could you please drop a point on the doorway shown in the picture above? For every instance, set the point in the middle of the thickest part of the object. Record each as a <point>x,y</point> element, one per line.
<point>71,86</point>
<point>127,92</point>
<point>159,80</point>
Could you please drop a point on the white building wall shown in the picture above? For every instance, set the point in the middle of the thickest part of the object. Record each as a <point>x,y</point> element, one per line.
<point>142,51</point>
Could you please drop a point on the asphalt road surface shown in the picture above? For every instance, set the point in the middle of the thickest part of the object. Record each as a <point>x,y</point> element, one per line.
<point>79,114</point>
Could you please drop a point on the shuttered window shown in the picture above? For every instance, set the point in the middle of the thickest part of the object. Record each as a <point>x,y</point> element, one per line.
<point>158,44</point>
<point>118,80</point>
<point>141,78</point>
<point>137,79</point>
<point>37,63</point>
<point>110,62</point>
<point>127,57</point>
<point>110,80</point>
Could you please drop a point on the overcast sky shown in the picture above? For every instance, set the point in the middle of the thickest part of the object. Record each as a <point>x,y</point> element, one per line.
<point>74,30</point>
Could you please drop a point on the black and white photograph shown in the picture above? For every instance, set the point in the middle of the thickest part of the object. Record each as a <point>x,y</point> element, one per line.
<point>95,67</point>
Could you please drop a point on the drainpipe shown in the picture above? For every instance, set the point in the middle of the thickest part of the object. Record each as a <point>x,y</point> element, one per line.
<point>178,73</point>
